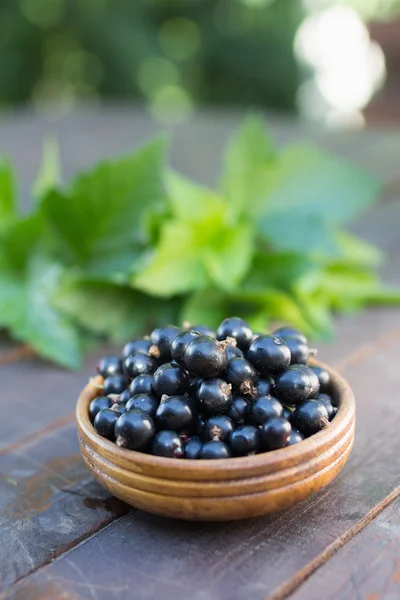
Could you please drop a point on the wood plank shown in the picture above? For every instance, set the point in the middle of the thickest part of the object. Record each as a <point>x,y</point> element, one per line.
<point>367,567</point>
<point>249,559</point>
<point>48,503</point>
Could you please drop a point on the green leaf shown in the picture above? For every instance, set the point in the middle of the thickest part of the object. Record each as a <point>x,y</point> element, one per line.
<point>193,203</point>
<point>7,194</point>
<point>355,251</point>
<point>100,221</point>
<point>110,310</point>
<point>49,175</point>
<point>247,157</point>
<point>208,307</point>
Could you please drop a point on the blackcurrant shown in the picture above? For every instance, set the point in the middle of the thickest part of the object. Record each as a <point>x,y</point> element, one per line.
<point>214,396</point>
<point>98,404</point>
<point>245,440</point>
<point>171,380</point>
<point>180,343</point>
<point>238,410</point>
<point>214,450</point>
<point>241,374</point>
<point>298,349</point>
<point>310,417</point>
<point>204,330</point>
<point>167,443</point>
<point>206,357</point>
<point>134,430</point>
<point>124,397</point>
<point>293,386</point>
<point>269,354</point>
<point>323,378</point>
<point>163,338</point>
<point>176,413</point>
<point>233,352</point>
<point>144,346</point>
<point>198,424</point>
<point>295,437</point>
<point>262,387</point>
<point>327,402</point>
<point>119,408</point>
<point>139,364</point>
<point>104,422</point>
<point>275,434</point>
<point>193,447</point>
<point>236,328</point>
<point>262,409</point>
<point>315,387</point>
<point>287,413</point>
<point>285,332</point>
<point>145,402</point>
<point>218,428</point>
<point>141,384</point>
<point>114,384</point>
<point>109,365</point>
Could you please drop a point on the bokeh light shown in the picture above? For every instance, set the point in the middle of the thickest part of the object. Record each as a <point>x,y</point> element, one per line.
<point>179,38</point>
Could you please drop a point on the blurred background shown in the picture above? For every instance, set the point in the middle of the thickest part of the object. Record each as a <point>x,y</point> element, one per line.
<point>332,62</point>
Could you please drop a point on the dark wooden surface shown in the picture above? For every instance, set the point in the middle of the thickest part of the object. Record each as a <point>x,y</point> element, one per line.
<point>63,537</point>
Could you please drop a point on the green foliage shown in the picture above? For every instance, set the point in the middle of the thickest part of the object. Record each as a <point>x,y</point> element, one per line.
<point>130,244</point>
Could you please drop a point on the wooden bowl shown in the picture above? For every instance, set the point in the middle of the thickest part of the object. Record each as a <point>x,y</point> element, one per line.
<point>221,490</point>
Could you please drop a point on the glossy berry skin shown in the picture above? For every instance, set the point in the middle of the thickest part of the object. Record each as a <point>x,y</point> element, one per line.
<point>167,443</point>
<point>262,409</point>
<point>269,354</point>
<point>109,365</point>
<point>287,413</point>
<point>198,425</point>
<point>141,384</point>
<point>315,387</point>
<point>214,396</point>
<point>163,338</point>
<point>245,440</point>
<point>171,380</point>
<point>275,434</point>
<point>144,346</point>
<point>215,450</point>
<point>217,428</point>
<point>98,404</point>
<point>310,417</point>
<point>175,413</point>
<point>238,329</point>
<point>206,357</point>
<point>145,402</point>
<point>124,397</point>
<point>193,447</point>
<point>241,374</point>
<point>204,330</point>
<point>104,422</point>
<point>180,343</point>
<point>115,384</point>
<point>295,437</point>
<point>119,408</point>
<point>237,411</point>
<point>139,364</point>
<point>323,378</point>
<point>134,430</point>
<point>290,332</point>
<point>299,351</point>
<point>293,386</point>
<point>262,387</point>
<point>233,352</point>
<point>327,402</point>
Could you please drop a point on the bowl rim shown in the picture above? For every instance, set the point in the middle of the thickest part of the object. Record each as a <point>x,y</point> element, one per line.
<point>294,454</point>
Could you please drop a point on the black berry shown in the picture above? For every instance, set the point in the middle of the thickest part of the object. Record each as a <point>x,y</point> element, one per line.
<point>206,357</point>
<point>144,402</point>
<point>114,384</point>
<point>323,378</point>
<point>214,450</point>
<point>310,417</point>
<point>327,402</point>
<point>218,428</point>
<point>241,374</point>
<point>295,437</point>
<point>144,346</point>
<point>298,349</point>
<point>193,447</point>
<point>167,443</point>
<point>315,387</point>
<point>262,409</point>
<point>98,404</point>
<point>139,364</point>
<point>109,365</point>
<point>238,410</point>
<point>262,387</point>
<point>290,332</point>
<point>124,397</point>
<point>134,430</point>
<point>204,330</point>
<point>104,422</point>
<point>233,352</point>
<point>214,396</point>
<point>171,380</point>
<point>287,413</point>
<point>275,434</point>
<point>245,440</point>
<point>141,384</point>
<point>175,413</point>
<point>180,343</point>
<point>269,354</point>
<point>293,386</point>
<point>236,328</point>
<point>163,338</point>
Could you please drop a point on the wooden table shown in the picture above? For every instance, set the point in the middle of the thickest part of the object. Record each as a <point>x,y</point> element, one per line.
<point>63,537</point>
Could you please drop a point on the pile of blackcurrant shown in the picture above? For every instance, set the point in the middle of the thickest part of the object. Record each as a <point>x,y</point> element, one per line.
<point>196,393</point>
